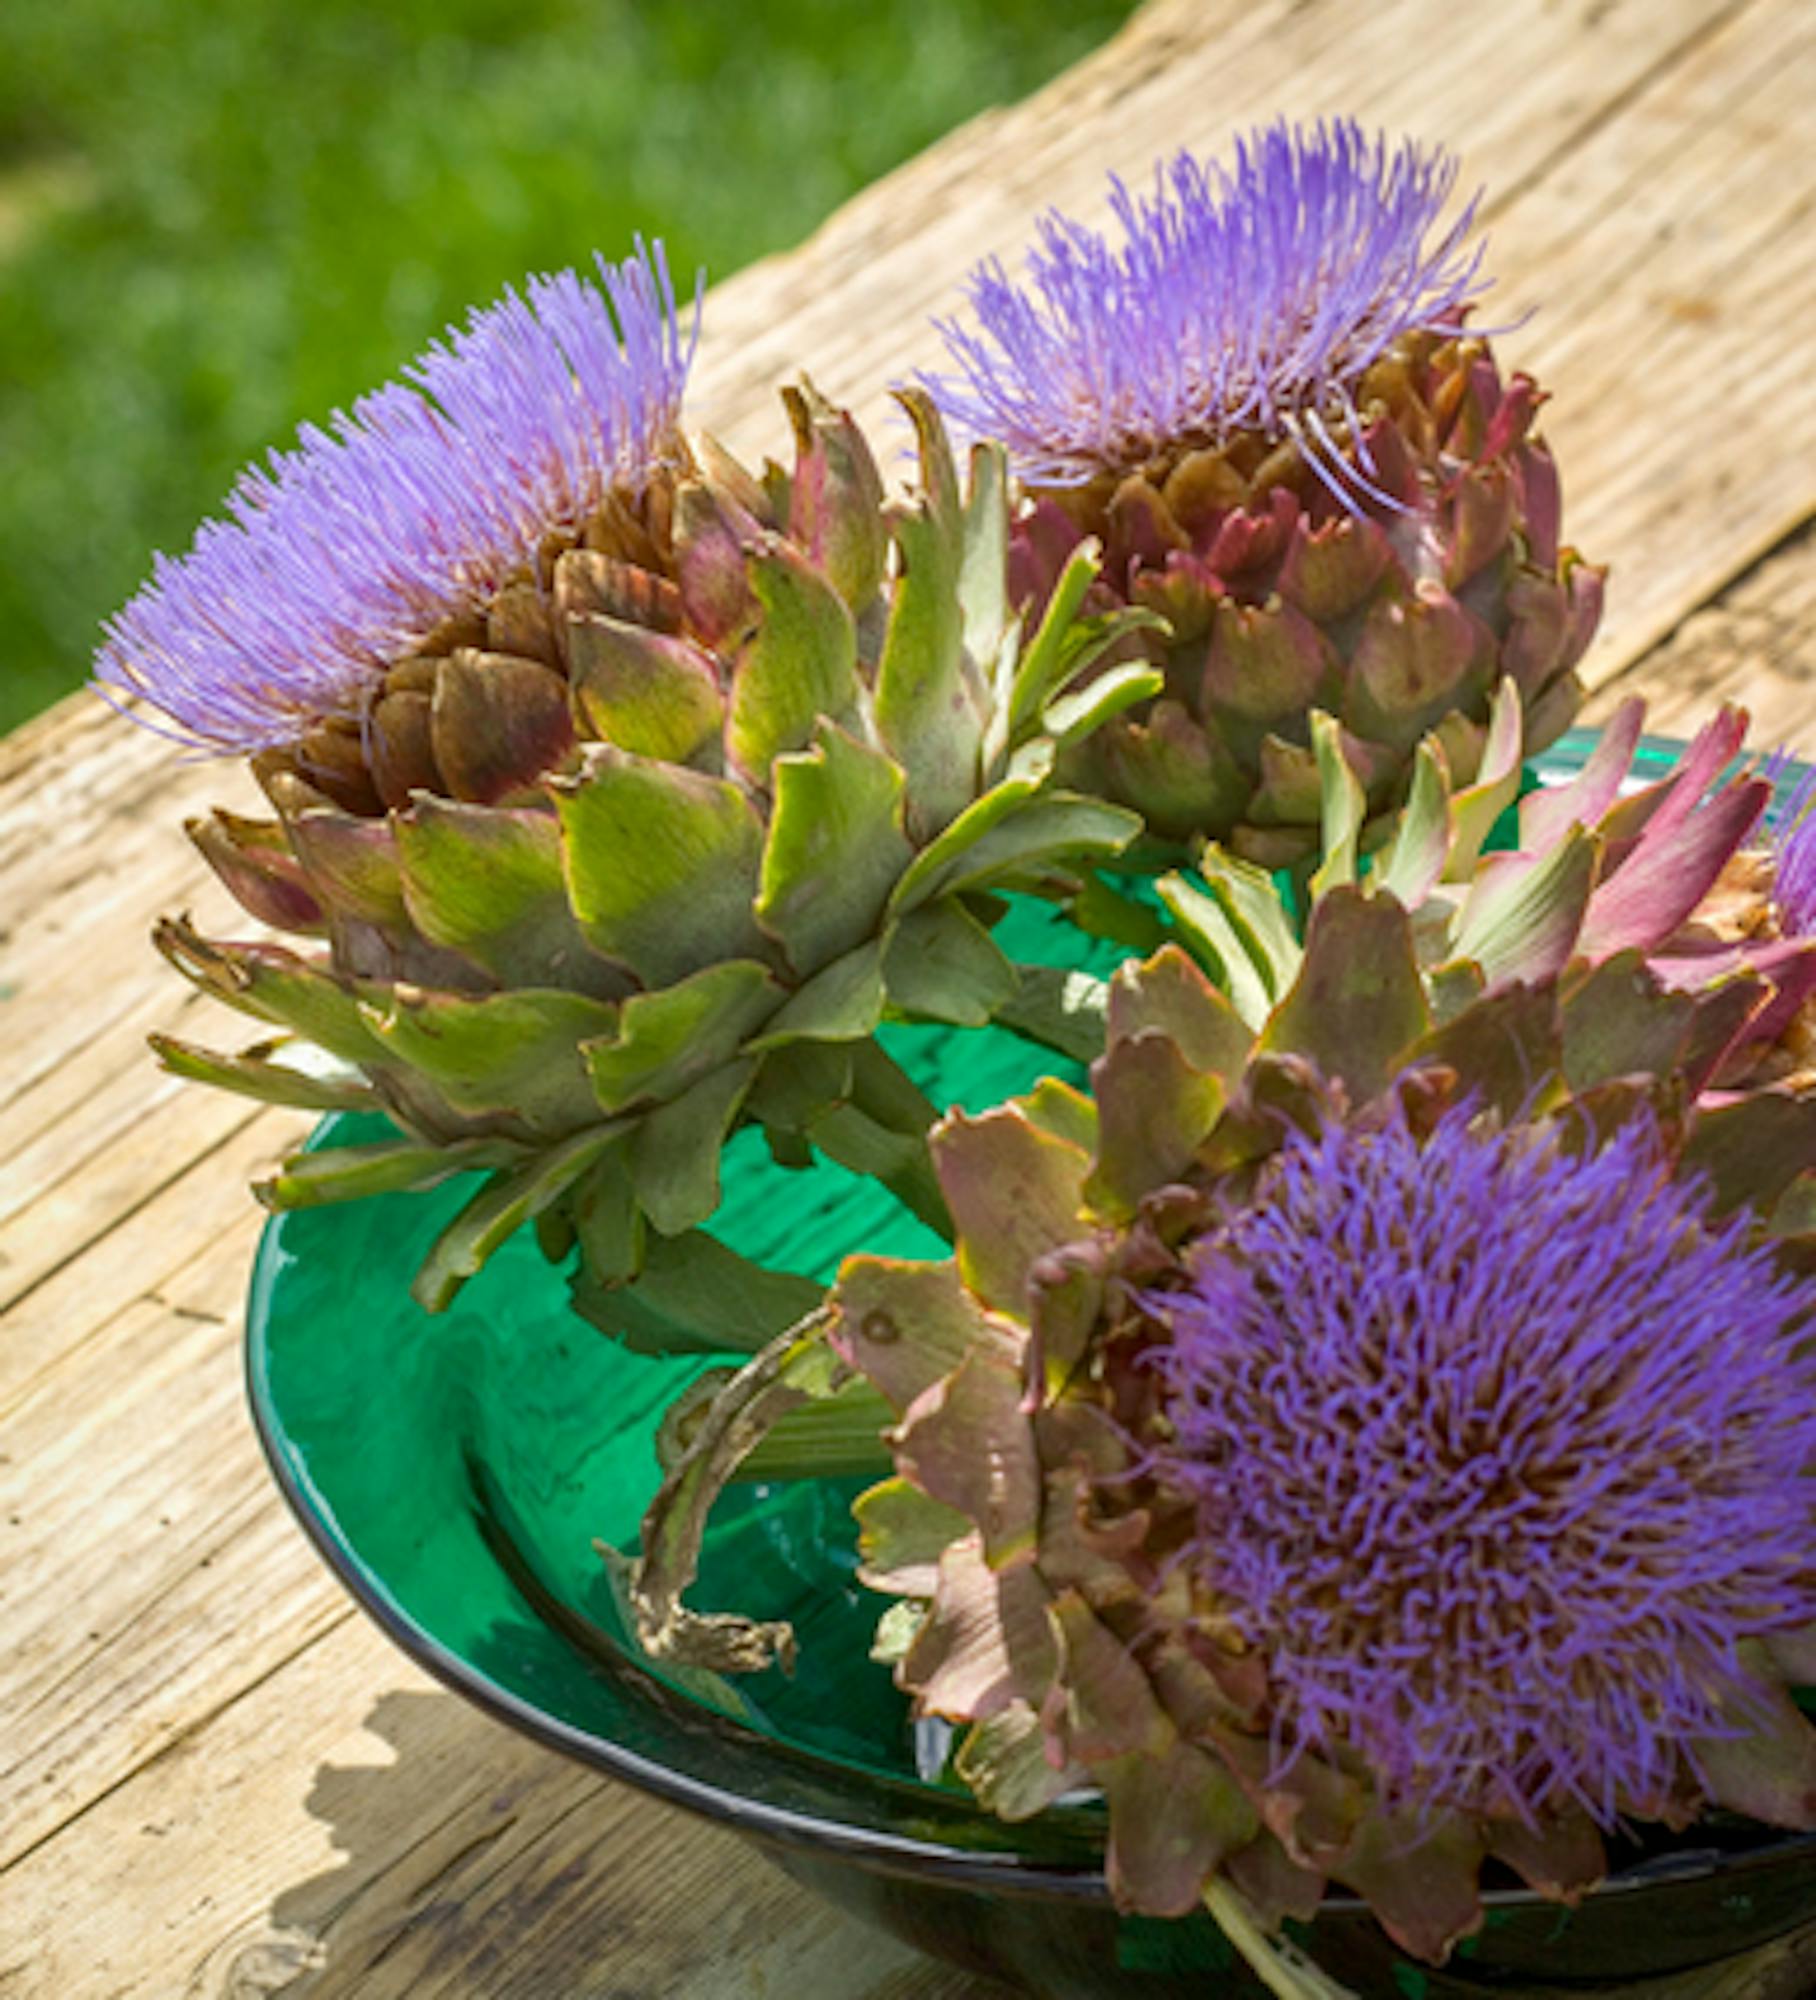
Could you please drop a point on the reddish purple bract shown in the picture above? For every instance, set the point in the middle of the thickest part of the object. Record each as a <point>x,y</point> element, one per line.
<point>1794,871</point>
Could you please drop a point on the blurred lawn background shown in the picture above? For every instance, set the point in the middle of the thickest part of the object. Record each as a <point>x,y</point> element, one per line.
<point>219,217</point>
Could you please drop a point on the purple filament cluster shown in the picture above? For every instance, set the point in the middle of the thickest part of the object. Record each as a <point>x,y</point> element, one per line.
<point>342,554</point>
<point>1498,1452</point>
<point>1248,298</point>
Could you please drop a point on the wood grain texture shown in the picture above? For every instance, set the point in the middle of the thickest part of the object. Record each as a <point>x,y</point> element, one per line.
<point>318,1837</point>
<point>1649,204</point>
<point>1754,644</point>
<point>215,1779</point>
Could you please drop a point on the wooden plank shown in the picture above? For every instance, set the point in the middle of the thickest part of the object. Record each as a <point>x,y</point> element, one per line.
<point>116,1637</point>
<point>1755,644</point>
<point>82,1205</point>
<point>457,1860</point>
<point>59,1121</point>
<point>77,956</point>
<point>145,1254</point>
<point>1665,251</point>
<point>1784,1971</point>
<point>345,1828</point>
<point>1649,197</point>
<point>103,802</point>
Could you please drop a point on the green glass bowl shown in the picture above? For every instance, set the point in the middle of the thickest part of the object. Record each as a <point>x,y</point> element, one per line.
<point>455,1473</point>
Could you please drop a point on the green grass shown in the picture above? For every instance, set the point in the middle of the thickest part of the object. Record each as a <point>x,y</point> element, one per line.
<point>219,219</point>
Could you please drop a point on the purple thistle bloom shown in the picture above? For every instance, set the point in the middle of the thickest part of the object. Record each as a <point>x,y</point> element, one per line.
<point>1253,298</point>
<point>1497,1453</point>
<point>346,552</point>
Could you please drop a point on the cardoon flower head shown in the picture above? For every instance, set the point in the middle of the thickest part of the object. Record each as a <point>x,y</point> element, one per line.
<point>351,551</point>
<point>1262,400</point>
<point>1499,1453</point>
<point>1254,297</point>
<point>607,779</point>
<point>1365,1438</point>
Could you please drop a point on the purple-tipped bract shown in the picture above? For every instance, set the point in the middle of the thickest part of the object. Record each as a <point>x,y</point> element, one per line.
<point>348,550</point>
<point>1498,1453</point>
<point>1253,297</point>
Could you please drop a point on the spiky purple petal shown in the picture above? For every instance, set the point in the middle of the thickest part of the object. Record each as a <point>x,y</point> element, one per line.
<point>1250,297</point>
<point>346,551</point>
<point>1498,1453</point>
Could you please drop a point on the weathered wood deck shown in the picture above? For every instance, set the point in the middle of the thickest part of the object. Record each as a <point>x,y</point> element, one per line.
<point>218,1778</point>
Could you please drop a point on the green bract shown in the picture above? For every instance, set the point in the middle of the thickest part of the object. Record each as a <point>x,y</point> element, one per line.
<point>1601,875</point>
<point>652,849</point>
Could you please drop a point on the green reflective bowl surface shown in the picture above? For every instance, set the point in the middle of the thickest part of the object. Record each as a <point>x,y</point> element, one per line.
<point>456,1471</point>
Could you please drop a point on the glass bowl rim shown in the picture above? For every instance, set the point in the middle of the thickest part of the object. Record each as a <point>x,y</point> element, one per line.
<point>998,1867</point>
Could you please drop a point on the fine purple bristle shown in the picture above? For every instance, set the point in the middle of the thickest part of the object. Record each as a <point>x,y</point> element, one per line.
<point>1498,1453</point>
<point>1252,297</point>
<point>347,550</point>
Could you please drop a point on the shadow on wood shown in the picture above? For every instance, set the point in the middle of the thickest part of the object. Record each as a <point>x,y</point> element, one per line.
<point>478,1864</point>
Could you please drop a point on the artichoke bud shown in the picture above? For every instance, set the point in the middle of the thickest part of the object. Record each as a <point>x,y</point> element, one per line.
<point>1408,592</point>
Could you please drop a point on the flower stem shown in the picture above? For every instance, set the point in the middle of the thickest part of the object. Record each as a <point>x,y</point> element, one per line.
<point>881,1130</point>
<point>838,1438</point>
<point>1280,1965</point>
<point>797,1367</point>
